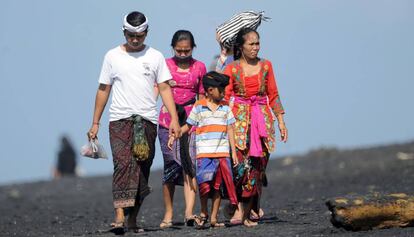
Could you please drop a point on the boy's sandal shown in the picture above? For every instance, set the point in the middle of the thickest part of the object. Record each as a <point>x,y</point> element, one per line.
<point>190,221</point>
<point>200,222</point>
<point>166,224</point>
<point>217,225</point>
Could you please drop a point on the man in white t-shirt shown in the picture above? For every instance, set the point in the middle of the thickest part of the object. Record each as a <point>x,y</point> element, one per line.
<point>132,71</point>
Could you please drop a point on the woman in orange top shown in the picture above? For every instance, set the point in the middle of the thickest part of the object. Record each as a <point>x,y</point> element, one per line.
<point>254,98</point>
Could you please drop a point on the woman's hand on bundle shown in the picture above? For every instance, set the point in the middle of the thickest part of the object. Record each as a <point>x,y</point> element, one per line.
<point>93,131</point>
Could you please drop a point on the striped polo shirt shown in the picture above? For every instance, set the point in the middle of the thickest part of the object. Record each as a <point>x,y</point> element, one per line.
<point>211,132</point>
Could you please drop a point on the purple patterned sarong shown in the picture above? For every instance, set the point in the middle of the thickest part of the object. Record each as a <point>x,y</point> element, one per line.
<point>173,170</point>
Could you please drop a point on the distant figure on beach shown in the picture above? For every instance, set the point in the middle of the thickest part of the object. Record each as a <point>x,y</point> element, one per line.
<point>131,71</point>
<point>214,121</point>
<point>179,163</point>
<point>66,159</point>
<point>254,98</point>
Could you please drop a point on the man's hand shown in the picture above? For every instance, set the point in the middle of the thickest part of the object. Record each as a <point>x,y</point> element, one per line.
<point>175,129</point>
<point>93,131</point>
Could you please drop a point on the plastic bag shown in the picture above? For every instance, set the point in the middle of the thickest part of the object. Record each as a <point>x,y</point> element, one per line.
<point>94,150</point>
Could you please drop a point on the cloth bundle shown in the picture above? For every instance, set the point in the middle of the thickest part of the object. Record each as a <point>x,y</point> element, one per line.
<point>227,31</point>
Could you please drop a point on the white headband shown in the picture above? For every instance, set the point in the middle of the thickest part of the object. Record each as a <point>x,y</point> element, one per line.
<point>135,29</point>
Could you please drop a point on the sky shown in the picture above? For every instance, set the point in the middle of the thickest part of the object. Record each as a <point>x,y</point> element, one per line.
<point>344,71</point>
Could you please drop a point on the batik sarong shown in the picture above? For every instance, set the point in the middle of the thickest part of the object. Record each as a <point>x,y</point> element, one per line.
<point>130,177</point>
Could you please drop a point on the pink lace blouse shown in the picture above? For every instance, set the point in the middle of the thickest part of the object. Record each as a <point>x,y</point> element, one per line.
<point>184,86</point>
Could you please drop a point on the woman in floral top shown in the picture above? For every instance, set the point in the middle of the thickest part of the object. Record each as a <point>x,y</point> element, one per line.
<point>179,164</point>
<point>255,102</point>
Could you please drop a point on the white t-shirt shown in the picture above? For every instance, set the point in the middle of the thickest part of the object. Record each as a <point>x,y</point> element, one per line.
<point>133,76</point>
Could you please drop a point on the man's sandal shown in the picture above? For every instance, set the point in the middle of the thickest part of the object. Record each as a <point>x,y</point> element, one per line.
<point>117,224</point>
<point>118,227</point>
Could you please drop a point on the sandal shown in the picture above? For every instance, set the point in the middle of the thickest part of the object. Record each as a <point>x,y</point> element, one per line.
<point>117,224</point>
<point>217,225</point>
<point>166,224</point>
<point>190,221</point>
<point>117,227</point>
<point>200,222</point>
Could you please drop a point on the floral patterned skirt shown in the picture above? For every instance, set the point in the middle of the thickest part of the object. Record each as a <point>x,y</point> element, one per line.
<point>249,175</point>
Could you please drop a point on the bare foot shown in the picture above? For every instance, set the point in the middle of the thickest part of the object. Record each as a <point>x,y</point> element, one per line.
<point>249,223</point>
<point>254,216</point>
<point>215,224</point>
<point>237,218</point>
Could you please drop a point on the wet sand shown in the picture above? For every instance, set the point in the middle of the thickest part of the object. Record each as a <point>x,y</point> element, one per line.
<point>294,202</point>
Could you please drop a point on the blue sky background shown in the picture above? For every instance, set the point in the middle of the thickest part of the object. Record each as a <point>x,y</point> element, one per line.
<point>344,70</point>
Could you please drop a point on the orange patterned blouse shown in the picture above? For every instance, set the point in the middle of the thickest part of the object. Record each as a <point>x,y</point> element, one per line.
<point>262,84</point>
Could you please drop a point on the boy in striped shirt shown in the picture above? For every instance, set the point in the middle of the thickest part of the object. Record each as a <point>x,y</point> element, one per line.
<point>213,120</point>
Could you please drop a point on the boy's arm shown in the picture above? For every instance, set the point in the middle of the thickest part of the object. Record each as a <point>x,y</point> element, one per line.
<point>187,127</point>
<point>230,134</point>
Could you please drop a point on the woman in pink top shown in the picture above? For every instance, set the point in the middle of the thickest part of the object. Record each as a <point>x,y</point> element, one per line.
<point>179,164</point>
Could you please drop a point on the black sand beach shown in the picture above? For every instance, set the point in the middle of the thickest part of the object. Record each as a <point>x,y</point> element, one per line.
<point>294,202</point>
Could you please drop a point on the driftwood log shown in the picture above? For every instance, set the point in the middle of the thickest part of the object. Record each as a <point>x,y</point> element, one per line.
<point>372,211</point>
